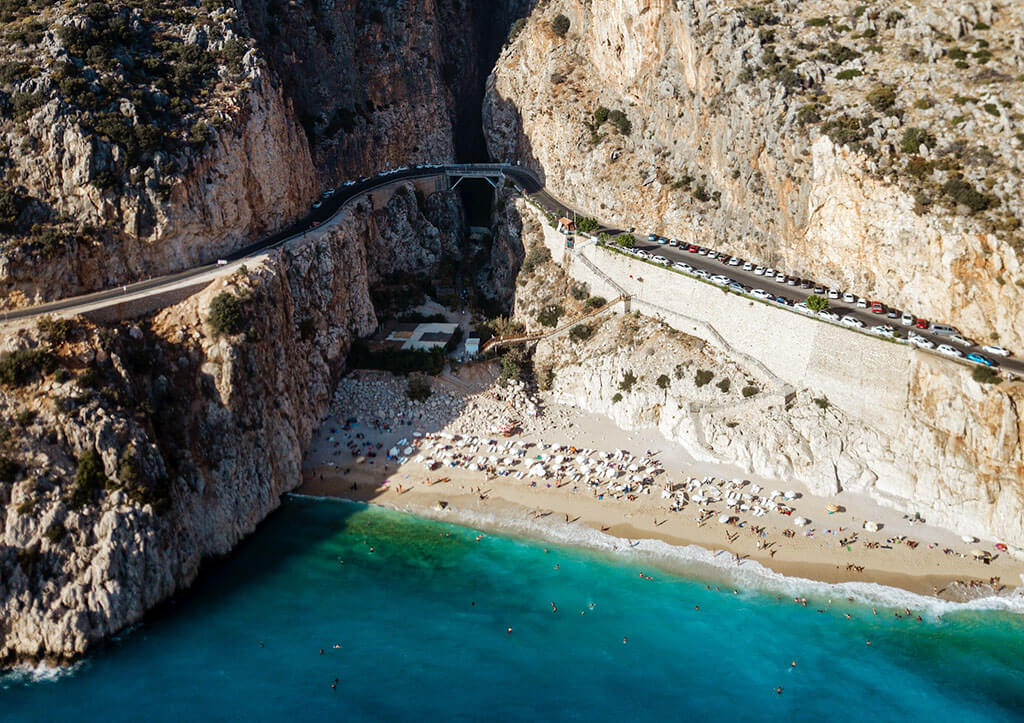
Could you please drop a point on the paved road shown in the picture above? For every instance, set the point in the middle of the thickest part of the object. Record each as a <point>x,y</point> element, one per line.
<point>795,294</point>
<point>527,181</point>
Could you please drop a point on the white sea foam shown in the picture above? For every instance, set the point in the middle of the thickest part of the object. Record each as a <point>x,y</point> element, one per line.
<point>721,566</point>
<point>38,673</point>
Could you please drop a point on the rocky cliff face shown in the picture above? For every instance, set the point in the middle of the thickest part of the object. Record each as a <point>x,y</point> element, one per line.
<point>871,148</point>
<point>958,458</point>
<point>134,451</point>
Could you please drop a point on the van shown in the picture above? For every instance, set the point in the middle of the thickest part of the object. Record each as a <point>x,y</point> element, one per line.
<point>943,329</point>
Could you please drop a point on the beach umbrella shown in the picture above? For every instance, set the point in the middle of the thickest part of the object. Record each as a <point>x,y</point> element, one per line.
<point>980,554</point>
<point>801,521</point>
<point>791,495</point>
<point>832,509</point>
<point>724,519</point>
<point>871,526</point>
<point>969,538</point>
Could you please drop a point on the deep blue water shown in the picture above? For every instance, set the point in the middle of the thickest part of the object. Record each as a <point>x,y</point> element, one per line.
<point>422,622</point>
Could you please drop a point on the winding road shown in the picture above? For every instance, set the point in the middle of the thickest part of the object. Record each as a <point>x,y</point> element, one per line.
<point>525,179</point>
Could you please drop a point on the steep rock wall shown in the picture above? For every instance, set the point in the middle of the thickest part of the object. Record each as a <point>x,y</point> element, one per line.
<point>727,146</point>
<point>196,434</point>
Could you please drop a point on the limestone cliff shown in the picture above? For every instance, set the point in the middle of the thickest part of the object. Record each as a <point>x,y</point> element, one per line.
<point>869,147</point>
<point>132,452</point>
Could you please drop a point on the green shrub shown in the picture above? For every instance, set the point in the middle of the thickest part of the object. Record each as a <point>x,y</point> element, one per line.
<point>226,315</point>
<point>397,361</point>
<point>418,388</point>
<point>616,398</point>
<point>11,204</point>
<point>601,114</point>
<point>27,506</point>
<point>594,302</point>
<point>90,479</point>
<point>680,370</point>
<point>847,130</point>
<point>924,103</point>
<point>703,377</point>
<point>25,104</point>
<point>517,27</point>
<point>822,402</point>
<point>882,98</point>
<point>919,168</point>
<point>578,291</point>
<point>663,381</point>
<point>618,119</point>
<point>535,257</point>
<point>560,25</point>
<point>750,391</point>
<point>587,224</point>
<point>849,74</point>
<point>724,385</point>
<point>55,330</point>
<point>550,314</point>
<point>962,192</point>
<point>914,138</point>
<point>625,240</point>
<point>808,114</point>
<point>837,54</point>
<point>24,366</point>
<point>581,332</point>
<point>991,109</point>
<point>9,470</point>
<point>628,380</point>
<point>56,532</point>
<point>985,375</point>
<point>758,16</point>
<point>818,22</point>
<point>14,72</point>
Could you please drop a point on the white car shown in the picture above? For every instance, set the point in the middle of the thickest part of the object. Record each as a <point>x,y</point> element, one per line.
<point>918,340</point>
<point>962,341</point>
<point>760,270</point>
<point>643,254</point>
<point>703,252</point>
<point>769,272</point>
<point>748,266</point>
<point>997,350</point>
<point>673,242</point>
<point>849,298</point>
<point>760,294</point>
<point>349,183</point>
<point>802,308</point>
<point>948,350</point>
<point>906,318</point>
<point>852,321</point>
<point>735,261</point>
<point>712,254</point>
<point>701,273</point>
<point>682,267</point>
<point>781,278</point>
<point>834,294</point>
<point>830,315</point>
<point>883,330</point>
<point>661,260</point>
<point>719,279</point>
<point>862,303</point>
<point>317,204</point>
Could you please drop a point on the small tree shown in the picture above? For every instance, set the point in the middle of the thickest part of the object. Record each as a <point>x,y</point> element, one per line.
<point>914,138</point>
<point>618,119</point>
<point>90,478</point>
<point>587,224</point>
<point>550,314</point>
<point>703,377</point>
<point>418,388</point>
<point>817,303</point>
<point>225,315</point>
<point>626,240</point>
<point>560,25</point>
<point>594,302</point>
<point>664,381</point>
<point>628,380</point>
<point>601,114</point>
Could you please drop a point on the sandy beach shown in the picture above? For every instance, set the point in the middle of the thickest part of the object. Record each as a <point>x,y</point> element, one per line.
<point>658,493</point>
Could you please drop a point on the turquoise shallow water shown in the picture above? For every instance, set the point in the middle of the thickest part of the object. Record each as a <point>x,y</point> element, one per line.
<point>422,622</point>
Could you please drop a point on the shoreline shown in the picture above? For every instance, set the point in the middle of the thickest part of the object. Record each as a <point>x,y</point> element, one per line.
<point>659,498</point>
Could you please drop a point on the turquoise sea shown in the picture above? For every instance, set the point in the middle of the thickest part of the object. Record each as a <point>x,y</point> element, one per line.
<point>414,625</point>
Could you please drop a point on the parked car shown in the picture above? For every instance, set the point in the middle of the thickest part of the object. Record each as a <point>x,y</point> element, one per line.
<point>662,240</point>
<point>979,359</point>
<point>793,281</point>
<point>852,321</point>
<point>948,350</point>
<point>317,204</point>
<point>877,308</point>
<point>920,323</point>
<point>849,298</point>
<point>748,266</point>
<point>918,340</point>
<point>997,350</point>
<point>701,273</point>
<point>692,249</point>
<point>806,284</point>
<point>834,293</point>
<point>883,330</point>
<point>943,329</point>
<point>862,303</point>
<point>643,254</point>
<point>719,279</point>
<point>802,308</point>
<point>819,289</point>
<point>712,254</point>
<point>652,237</point>
<point>893,313</point>
<point>760,270</point>
<point>682,267</point>
<point>702,251</point>
<point>673,242</point>
<point>782,300</point>
<point>961,340</point>
<point>737,286</point>
<point>735,261</point>
<point>660,260</point>
<point>760,294</point>
<point>906,318</point>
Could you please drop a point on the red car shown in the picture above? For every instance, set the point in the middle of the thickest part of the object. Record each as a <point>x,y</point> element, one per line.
<point>921,323</point>
<point>692,249</point>
<point>877,308</point>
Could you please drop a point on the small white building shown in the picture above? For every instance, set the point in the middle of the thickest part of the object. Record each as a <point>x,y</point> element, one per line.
<point>423,336</point>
